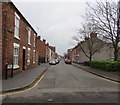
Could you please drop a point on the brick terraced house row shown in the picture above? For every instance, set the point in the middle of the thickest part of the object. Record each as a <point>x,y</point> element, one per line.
<point>105,53</point>
<point>45,51</point>
<point>18,40</point>
<point>50,52</point>
<point>0,38</point>
<point>41,49</point>
<point>53,52</point>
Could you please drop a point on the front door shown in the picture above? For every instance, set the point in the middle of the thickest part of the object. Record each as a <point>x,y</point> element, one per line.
<point>23,59</point>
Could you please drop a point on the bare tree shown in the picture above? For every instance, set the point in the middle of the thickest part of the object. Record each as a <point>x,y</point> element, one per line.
<point>105,16</point>
<point>88,41</point>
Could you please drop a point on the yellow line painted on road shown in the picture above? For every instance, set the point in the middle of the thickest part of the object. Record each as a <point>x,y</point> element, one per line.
<point>109,80</point>
<point>25,89</point>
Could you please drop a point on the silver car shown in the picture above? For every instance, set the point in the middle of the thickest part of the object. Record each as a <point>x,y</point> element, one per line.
<point>52,62</point>
<point>57,60</point>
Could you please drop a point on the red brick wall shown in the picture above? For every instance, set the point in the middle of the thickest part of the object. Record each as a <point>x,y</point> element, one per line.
<point>0,37</point>
<point>8,37</point>
<point>41,48</point>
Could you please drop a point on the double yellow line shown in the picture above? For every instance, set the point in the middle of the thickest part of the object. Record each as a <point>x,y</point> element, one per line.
<point>109,80</point>
<point>25,89</point>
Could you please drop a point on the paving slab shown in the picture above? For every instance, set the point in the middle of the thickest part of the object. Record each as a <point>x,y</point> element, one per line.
<point>23,78</point>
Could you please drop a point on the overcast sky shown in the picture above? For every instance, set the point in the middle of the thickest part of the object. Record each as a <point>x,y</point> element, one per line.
<point>54,21</point>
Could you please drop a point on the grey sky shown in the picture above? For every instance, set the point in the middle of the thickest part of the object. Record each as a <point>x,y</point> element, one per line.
<point>57,21</point>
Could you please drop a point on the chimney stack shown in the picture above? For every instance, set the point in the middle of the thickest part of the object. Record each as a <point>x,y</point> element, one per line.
<point>47,44</point>
<point>39,37</point>
<point>44,40</point>
<point>93,35</point>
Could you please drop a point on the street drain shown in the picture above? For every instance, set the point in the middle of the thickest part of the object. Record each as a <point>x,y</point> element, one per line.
<point>50,100</point>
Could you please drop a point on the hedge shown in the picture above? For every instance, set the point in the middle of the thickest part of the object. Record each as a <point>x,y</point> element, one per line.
<point>106,65</point>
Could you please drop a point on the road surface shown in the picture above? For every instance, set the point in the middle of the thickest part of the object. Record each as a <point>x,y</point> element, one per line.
<point>64,83</point>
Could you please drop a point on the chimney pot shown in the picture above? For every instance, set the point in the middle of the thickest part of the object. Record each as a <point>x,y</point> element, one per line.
<point>44,40</point>
<point>47,44</point>
<point>39,37</point>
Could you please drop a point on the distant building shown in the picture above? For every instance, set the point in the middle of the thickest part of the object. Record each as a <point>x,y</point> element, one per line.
<point>50,52</point>
<point>45,51</point>
<point>53,52</point>
<point>41,48</point>
<point>105,53</point>
<point>75,54</point>
<point>69,53</point>
<point>52,48</point>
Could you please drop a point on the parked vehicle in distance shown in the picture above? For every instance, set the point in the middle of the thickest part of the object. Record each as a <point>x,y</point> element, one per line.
<point>65,59</point>
<point>68,61</point>
<point>57,60</point>
<point>52,62</point>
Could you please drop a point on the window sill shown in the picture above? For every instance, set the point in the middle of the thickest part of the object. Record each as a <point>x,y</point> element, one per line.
<point>17,37</point>
<point>15,67</point>
<point>29,44</point>
<point>28,61</point>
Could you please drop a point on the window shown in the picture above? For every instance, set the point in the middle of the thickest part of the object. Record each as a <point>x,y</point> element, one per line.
<point>28,55</point>
<point>16,55</point>
<point>29,35</point>
<point>17,23</point>
<point>34,56</point>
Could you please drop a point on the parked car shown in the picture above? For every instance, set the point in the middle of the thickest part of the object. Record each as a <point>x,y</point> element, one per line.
<point>52,62</point>
<point>65,59</point>
<point>68,61</point>
<point>57,60</point>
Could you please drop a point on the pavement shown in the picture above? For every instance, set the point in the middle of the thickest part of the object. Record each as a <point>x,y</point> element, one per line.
<point>24,79</point>
<point>111,75</point>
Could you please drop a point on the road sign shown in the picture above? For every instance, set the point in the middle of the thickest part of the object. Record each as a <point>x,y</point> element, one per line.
<point>9,66</point>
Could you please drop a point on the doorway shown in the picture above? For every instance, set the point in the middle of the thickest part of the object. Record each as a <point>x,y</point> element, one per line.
<point>23,59</point>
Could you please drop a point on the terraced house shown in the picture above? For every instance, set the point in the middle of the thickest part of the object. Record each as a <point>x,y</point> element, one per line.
<point>50,52</point>
<point>45,51</point>
<point>104,53</point>
<point>41,49</point>
<point>0,37</point>
<point>18,40</point>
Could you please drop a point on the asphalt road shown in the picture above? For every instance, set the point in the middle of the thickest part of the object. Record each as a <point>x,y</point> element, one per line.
<point>64,83</point>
